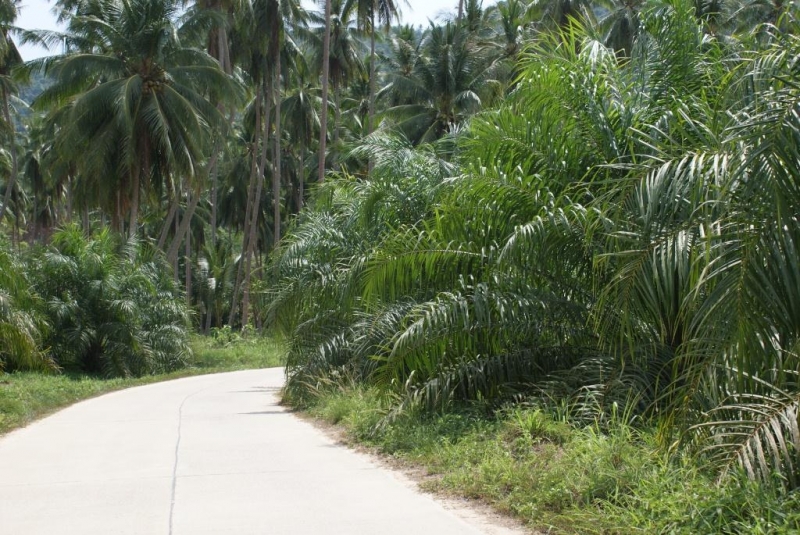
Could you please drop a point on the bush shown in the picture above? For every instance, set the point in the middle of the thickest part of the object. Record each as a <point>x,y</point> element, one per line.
<point>113,305</point>
<point>21,326</point>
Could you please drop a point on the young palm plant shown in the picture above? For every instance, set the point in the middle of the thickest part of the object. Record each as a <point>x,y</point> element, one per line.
<point>114,307</point>
<point>22,325</point>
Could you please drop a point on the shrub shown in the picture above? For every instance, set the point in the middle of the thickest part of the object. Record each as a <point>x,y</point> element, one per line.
<point>113,305</point>
<point>21,326</point>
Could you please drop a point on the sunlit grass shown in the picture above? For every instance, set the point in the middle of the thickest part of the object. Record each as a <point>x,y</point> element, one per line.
<point>559,478</point>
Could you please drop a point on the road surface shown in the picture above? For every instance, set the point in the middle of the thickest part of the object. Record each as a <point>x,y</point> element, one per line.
<point>213,454</point>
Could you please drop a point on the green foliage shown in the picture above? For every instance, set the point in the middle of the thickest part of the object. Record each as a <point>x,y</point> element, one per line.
<point>21,324</point>
<point>113,306</point>
<point>227,349</point>
<point>618,239</point>
<point>134,106</point>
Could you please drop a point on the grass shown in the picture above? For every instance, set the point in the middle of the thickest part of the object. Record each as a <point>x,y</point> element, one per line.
<point>559,478</point>
<point>24,397</point>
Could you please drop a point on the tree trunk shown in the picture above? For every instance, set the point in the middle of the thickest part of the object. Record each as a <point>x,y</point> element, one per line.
<point>173,209</point>
<point>134,222</point>
<point>302,177</point>
<point>337,118</point>
<point>276,165</point>
<point>13,178</point>
<point>209,308</point>
<point>223,56</point>
<point>174,261</point>
<point>85,218</point>
<point>251,188</point>
<point>326,52</point>
<point>116,219</point>
<point>70,200</point>
<point>187,252</point>
<point>35,216</point>
<point>213,216</point>
<point>251,242</point>
<point>194,200</point>
<point>460,10</point>
<point>372,82</point>
<point>189,214</point>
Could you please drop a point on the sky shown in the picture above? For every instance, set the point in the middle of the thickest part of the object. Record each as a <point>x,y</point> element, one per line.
<point>36,14</point>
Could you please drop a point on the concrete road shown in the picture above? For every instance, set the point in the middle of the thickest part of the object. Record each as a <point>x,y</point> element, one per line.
<point>212,454</point>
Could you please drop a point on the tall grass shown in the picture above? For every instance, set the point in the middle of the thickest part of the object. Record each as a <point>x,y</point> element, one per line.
<point>606,478</point>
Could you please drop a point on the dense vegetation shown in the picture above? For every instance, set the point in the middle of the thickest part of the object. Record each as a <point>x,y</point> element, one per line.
<point>588,209</point>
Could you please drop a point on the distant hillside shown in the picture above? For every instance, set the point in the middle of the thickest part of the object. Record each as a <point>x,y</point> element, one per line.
<point>38,83</point>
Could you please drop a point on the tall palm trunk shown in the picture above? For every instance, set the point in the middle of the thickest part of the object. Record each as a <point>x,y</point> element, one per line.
<point>276,164</point>
<point>372,73</point>
<point>326,53</point>
<point>371,105</point>
<point>301,177</point>
<point>187,252</point>
<point>182,227</point>
<point>194,200</point>
<point>213,215</point>
<point>85,219</point>
<point>116,218</point>
<point>251,188</point>
<point>223,56</point>
<point>251,242</point>
<point>337,118</point>
<point>13,178</point>
<point>173,209</point>
<point>134,221</point>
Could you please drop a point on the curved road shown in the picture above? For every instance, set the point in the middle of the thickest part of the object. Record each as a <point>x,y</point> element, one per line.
<point>212,454</point>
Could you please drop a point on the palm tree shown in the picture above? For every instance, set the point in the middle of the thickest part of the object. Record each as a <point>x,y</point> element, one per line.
<point>9,58</point>
<point>300,114</point>
<point>287,18</point>
<point>218,47</point>
<point>620,24</point>
<point>112,303</point>
<point>405,50</point>
<point>444,87</point>
<point>216,270</point>
<point>344,56</point>
<point>326,53</point>
<point>512,19</point>
<point>554,14</point>
<point>281,17</point>
<point>616,232</point>
<point>369,13</point>
<point>21,326</point>
<point>138,97</point>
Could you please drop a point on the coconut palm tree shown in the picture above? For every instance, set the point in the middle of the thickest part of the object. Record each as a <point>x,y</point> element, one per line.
<point>326,53</point>
<point>344,56</point>
<point>370,14</point>
<point>9,58</point>
<point>302,120</point>
<point>444,87</point>
<point>138,97</point>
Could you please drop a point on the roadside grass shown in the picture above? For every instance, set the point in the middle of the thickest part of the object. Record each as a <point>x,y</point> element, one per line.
<point>24,397</point>
<point>559,478</point>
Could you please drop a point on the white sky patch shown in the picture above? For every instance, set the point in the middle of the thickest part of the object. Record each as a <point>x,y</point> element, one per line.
<point>37,14</point>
